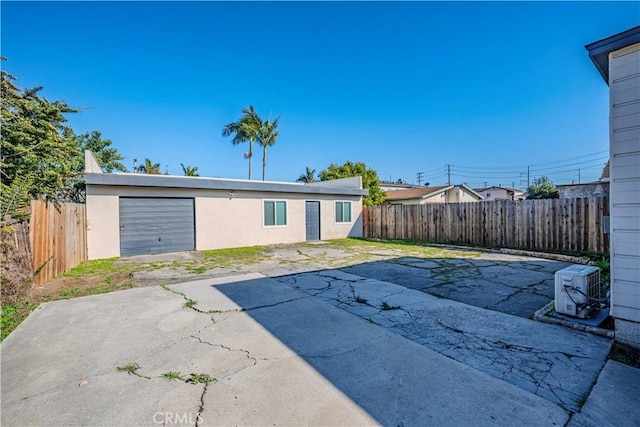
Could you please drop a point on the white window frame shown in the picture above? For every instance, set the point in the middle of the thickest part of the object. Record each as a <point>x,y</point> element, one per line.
<point>335,219</point>
<point>275,213</point>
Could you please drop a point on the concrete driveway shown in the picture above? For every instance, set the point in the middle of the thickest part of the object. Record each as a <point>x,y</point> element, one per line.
<point>319,347</point>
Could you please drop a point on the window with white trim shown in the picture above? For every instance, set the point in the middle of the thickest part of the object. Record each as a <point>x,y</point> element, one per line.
<point>343,211</point>
<point>275,213</point>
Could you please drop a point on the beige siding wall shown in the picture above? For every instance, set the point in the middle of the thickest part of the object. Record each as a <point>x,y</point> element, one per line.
<point>223,219</point>
<point>624,87</point>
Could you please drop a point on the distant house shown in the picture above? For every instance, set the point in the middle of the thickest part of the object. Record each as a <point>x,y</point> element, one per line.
<point>500,193</point>
<point>591,189</point>
<point>441,194</point>
<point>396,185</point>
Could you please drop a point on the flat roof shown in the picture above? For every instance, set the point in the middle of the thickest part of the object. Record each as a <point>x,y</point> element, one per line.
<point>203,183</point>
<point>599,51</point>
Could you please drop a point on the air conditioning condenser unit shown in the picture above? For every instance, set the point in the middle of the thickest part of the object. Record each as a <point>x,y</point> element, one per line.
<point>577,290</point>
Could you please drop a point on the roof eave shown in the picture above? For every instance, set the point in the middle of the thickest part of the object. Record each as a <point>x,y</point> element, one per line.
<point>599,51</point>
<point>162,181</point>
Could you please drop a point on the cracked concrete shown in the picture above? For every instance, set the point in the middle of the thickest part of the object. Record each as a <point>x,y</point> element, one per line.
<point>292,342</point>
<point>279,356</point>
<point>555,363</point>
<point>507,283</point>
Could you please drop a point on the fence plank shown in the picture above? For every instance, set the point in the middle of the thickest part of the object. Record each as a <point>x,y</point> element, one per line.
<point>58,238</point>
<point>562,224</point>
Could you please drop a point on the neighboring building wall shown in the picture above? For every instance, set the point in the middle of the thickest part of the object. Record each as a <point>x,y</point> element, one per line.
<point>223,219</point>
<point>458,195</point>
<point>624,97</point>
<point>438,198</point>
<point>595,189</point>
<point>495,194</point>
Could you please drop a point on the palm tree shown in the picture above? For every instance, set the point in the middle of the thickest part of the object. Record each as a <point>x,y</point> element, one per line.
<point>189,170</point>
<point>149,167</point>
<point>245,129</point>
<point>267,136</point>
<point>308,176</point>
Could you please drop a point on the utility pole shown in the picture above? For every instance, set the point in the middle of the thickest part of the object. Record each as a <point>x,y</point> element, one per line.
<point>528,177</point>
<point>419,177</point>
<point>448,174</point>
<point>485,184</point>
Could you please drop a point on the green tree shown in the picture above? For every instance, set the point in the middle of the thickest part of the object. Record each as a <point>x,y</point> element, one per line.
<point>108,157</point>
<point>189,170</point>
<point>149,167</point>
<point>41,157</point>
<point>38,151</point>
<point>542,188</point>
<point>369,176</point>
<point>267,137</point>
<point>308,176</point>
<point>245,130</point>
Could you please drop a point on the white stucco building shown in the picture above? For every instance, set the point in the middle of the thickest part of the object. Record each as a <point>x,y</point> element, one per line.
<point>132,214</point>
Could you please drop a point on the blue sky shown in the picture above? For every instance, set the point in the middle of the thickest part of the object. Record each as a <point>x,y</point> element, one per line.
<point>487,87</point>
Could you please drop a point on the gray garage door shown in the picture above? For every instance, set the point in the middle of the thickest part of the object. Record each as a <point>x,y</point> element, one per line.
<point>156,225</point>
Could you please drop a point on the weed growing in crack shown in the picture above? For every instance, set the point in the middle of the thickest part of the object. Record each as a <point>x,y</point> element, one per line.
<point>360,300</point>
<point>129,368</point>
<point>386,306</point>
<point>172,375</point>
<point>582,400</point>
<point>201,379</point>
<point>190,303</point>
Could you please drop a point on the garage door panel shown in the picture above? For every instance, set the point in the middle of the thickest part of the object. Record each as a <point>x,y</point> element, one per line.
<point>156,225</point>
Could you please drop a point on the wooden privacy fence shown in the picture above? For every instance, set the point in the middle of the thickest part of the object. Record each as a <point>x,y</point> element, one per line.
<point>58,235</point>
<point>548,224</point>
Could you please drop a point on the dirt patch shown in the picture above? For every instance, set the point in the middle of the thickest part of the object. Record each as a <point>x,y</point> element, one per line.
<point>626,354</point>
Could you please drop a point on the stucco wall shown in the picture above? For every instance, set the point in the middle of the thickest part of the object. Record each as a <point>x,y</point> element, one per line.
<point>495,194</point>
<point>223,219</point>
<point>596,189</point>
<point>438,198</point>
<point>103,225</point>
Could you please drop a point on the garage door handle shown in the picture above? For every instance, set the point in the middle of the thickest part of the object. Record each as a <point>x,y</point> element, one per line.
<point>122,228</point>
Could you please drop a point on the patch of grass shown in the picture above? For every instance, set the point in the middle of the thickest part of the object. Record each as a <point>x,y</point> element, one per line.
<point>234,256</point>
<point>172,375</point>
<point>407,246</point>
<point>190,303</point>
<point>13,315</point>
<point>197,270</point>
<point>96,267</point>
<point>201,379</point>
<point>626,354</point>
<point>385,306</point>
<point>129,368</point>
<point>70,293</point>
